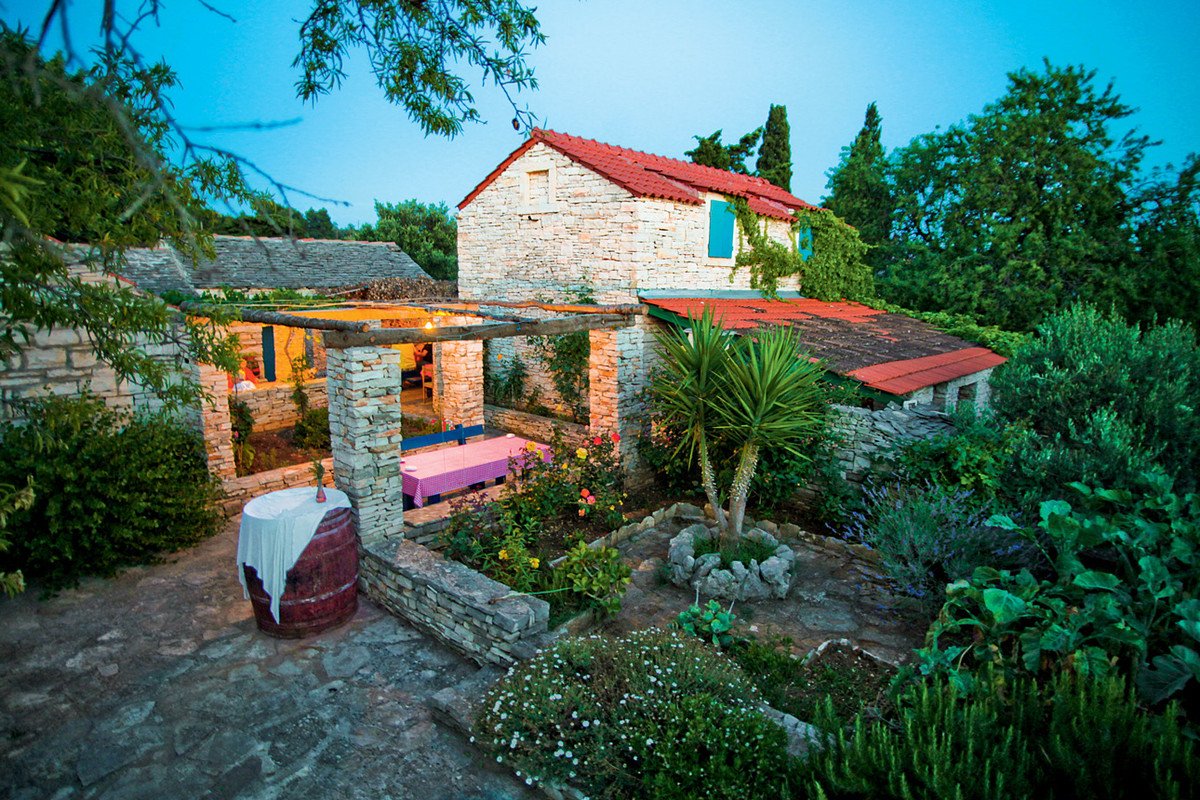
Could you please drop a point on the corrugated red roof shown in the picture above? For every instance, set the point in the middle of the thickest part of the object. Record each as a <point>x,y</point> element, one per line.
<point>888,352</point>
<point>648,175</point>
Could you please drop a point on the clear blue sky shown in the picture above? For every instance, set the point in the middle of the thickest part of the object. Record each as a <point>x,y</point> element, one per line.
<point>648,74</point>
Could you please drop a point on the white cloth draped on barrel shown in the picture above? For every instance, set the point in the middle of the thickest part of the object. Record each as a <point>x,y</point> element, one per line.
<point>275,529</point>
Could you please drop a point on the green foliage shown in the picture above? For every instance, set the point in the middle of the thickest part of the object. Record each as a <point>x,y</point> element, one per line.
<point>710,152</point>
<point>13,500</point>
<point>503,380</point>
<point>834,271</point>
<point>1022,207</point>
<point>775,154</point>
<point>242,421</point>
<point>711,624</point>
<point>646,715</point>
<point>859,193</point>
<point>976,456</point>
<point>1004,342</point>
<point>566,358</point>
<point>112,490</point>
<point>743,550</point>
<point>1071,738</point>
<point>413,49</point>
<point>312,430</point>
<point>81,152</point>
<point>1168,242</point>
<point>1106,400</point>
<point>598,577</point>
<point>1121,594</point>
<point>929,536</point>
<point>425,231</point>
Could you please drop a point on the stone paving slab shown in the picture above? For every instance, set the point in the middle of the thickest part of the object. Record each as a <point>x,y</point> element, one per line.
<point>157,684</point>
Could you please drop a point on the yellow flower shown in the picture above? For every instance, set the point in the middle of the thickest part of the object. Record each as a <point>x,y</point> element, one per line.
<point>531,447</point>
<point>534,562</point>
<point>581,454</point>
<point>564,467</point>
<point>503,555</point>
<point>612,508</point>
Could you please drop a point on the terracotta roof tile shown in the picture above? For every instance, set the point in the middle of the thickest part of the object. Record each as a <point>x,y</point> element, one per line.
<point>889,352</point>
<point>648,175</point>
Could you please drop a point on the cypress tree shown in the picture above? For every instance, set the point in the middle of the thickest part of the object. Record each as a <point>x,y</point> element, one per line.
<point>775,154</point>
<point>858,185</point>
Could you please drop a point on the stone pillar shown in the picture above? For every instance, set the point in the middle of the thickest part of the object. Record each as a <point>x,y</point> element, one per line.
<point>364,428</point>
<point>215,424</point>
<point>460,383</point>
<point>616,377</point>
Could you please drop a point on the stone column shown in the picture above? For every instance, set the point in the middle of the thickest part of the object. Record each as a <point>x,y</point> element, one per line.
<point>364,428</point>
<point>616,377</point>
<point>215,424</point>
<point>461,382</point>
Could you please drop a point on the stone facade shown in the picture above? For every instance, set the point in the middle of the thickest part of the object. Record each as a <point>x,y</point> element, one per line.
<point>457,605</point>
<point>364,428</point>
<point>975,388</point>
<point>272,406</point>
<point>581,230</point>
<point>458,387</point>
<point>215,424</point>
<point>616,378</point>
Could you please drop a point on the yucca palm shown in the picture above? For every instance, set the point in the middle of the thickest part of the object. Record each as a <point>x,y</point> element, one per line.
<point>756,391</point>
<point>770,396</point>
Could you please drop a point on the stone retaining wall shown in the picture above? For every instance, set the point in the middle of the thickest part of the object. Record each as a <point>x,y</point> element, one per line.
<point>865,435</point>
<point>532,426</point>
<point>452,602</point>
<point>239,491</point>
<point>272,406</point>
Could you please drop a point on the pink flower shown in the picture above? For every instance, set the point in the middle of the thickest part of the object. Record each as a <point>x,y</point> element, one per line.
<point>591,500</point>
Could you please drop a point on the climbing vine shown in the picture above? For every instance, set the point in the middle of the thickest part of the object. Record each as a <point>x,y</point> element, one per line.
<point>566,359</point>
<point>833,269</point>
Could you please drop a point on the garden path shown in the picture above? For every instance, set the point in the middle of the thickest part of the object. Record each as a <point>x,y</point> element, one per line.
<point>835,595</point>
<point>157,684</point>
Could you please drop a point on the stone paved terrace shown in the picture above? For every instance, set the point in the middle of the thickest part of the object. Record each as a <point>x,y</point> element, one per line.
<point>157,684</point>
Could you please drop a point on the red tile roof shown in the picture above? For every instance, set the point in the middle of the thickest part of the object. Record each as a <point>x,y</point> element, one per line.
<point>888,352</point>
<point>648,175</point>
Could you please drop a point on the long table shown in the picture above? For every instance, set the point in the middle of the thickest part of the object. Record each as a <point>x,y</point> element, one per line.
<point>428,475</point>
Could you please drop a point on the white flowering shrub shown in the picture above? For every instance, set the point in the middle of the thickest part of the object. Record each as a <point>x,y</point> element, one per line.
<point>649,715</point>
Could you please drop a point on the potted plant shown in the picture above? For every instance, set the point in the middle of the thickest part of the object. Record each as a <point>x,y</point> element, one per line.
<point>318,471</point>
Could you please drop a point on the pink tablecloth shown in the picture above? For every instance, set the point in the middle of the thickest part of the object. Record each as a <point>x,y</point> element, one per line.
<point>450,468</point>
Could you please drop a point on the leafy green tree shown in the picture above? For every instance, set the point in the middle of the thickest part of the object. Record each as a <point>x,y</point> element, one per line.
<point>1168,242</point>
<point>1021,208</point>
<point>319,225</point>
<point>427,232</point>
<point>775,153</point>
<point>858,185</point>
<point>710,152</point>
<point>97,155</point>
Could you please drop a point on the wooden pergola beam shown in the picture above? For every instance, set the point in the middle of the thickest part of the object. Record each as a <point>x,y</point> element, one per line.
<point>466,333</point>
<point>279,318</point>
<point>569,308</point>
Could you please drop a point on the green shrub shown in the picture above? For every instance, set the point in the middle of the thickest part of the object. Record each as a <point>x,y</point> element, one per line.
<point>1071,739</point>
<point>242,421</point>
<point>1106,399</point>
<point>976,456</point>
<point>112,490</point>
<point>929,536</point>
<point>312,430</point>
<point>647,715</point>
<point>1121,595</point>
<point>710,624</point>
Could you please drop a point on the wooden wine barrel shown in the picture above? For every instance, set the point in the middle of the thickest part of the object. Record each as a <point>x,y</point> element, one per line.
<point>322,586</point>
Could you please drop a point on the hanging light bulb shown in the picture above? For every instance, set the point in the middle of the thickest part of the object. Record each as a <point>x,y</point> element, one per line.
<point>429,325</point>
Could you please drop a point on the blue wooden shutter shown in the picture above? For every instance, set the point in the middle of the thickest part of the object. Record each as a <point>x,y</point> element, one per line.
<point>804,242</point>
<point>268,350</point>
<point>720,230</point>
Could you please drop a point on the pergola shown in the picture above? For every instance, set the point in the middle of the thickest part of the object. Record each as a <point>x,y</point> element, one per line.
<point>364,384</point>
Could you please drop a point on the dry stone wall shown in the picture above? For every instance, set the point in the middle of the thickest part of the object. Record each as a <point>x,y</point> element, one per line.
<point>457,605</point>
<point>239,491</point>
<point>864,435</point>
<point>272,406</point>
<point>531,426</point>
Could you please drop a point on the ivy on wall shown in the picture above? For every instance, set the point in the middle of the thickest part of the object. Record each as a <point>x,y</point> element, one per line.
<point>833,270</point>
<point>566,359</point>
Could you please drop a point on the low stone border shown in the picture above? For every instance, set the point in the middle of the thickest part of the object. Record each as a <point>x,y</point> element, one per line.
<point>239,491</point>
<point>532,426</point>
<point>770,578</point>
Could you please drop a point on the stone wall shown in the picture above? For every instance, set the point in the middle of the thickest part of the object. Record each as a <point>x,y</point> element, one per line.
<point>272,407</point>
<point>451,601</point>
<point>864,435</point>
<point>531,426</point>
<point>591,233</point>
<point>239,491</point>
<point>617,377</point>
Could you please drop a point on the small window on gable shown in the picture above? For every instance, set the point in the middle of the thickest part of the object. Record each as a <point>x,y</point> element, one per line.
<point>720,229</point>
<point>804,242</point>
<point>539,188</point>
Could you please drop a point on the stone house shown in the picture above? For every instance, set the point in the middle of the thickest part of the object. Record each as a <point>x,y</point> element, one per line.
<point>563,213</point>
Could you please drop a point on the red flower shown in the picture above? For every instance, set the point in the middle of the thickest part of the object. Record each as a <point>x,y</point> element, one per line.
<point>597,441</point>
<point>584,492</point>
<point>616,437</point>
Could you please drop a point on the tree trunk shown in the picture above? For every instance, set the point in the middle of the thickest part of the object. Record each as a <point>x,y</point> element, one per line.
<point>709,481</point>
<point>741,488</point>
